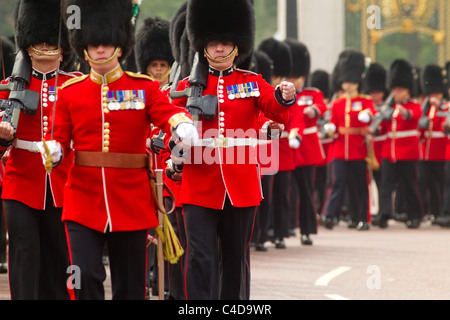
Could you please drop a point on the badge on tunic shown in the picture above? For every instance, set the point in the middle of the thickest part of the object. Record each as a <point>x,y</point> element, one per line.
<point>126,100</point>
<point>52,94</point>
<point>305,100</point>
<point>357,106</point>
<point>243,90</point>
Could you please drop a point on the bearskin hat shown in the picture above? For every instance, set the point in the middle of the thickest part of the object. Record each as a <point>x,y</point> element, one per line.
<point>401,75</point>
<point>40,21</point>
<point>433,80</point>
<point>176,30</point>
<point>234,21</point>
<point>375,79</point>
<point>103,22</point>
<point>263,65</point>
<point>152,43</point>
<point>301,60</point>
<point>350,66</point>
<point>320,79</point>
<point>6,57</point>
<point>281,55</point>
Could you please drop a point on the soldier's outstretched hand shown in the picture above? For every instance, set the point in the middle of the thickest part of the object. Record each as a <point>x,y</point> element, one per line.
<point>287,90</point>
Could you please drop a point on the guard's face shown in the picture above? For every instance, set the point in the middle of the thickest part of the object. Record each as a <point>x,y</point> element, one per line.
<point>400,94</point>
<point>220,50</point>
<point>40,53</point>
<point>102,53</point>
<point>349,86</point>
<point>158,68</point>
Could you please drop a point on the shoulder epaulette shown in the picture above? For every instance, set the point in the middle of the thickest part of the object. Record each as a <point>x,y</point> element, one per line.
<point>139,75</point>
<point>246,71</point>
<point>365,96</point>
<point>311,89</point>
<point>71,74</point>
<point>74,80</point>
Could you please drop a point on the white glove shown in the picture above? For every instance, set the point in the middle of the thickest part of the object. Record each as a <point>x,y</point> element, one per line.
<point>364,116</point>
<point>187,133</point>
<point>329,128</point>
<point>294,143</point>
<point>54,148</point>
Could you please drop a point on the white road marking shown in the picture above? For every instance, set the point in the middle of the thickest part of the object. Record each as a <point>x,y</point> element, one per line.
<point>324,280</point>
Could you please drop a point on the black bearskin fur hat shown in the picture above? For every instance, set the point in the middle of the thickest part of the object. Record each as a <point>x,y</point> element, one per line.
<point>401,74</point>
<point>231,20</point>
<point>350,66</point>
<point>375,79</point>
<point>281,55</point>
<point>320,79</point>
<point>38,21</point>
<point>301,60</point>
<point>434,80</point>
<point>103,22</point>
<point>152,43</point>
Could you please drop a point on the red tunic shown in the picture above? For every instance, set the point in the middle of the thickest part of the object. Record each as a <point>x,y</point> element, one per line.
<point>25,178</point>
<point>215,172</point>
<point>433,142</point>
<point>349,144</point>
<point>402,141</point>
<point>90,117</point>
<point>310,152</point>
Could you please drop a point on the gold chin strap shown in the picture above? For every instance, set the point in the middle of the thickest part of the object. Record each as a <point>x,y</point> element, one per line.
<point>114,55</point>
<point>225,59</point>
<point>45,52</point>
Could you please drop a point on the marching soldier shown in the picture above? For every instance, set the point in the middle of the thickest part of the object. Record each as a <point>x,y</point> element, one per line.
<point>350,115</point>
<point>433,143</point>
<point>220,187</point>
<point>106,117</point>
<point>281,55</point>
<point>310,153</point>
<point>33,198</point>
<point>320,79</point>
<point>401,148</point>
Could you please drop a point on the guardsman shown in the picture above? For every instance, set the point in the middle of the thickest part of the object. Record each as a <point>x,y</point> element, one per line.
<point>220,188</point>
<point>310,153</point>
<point>375,87</point>
<point>350,116</point>
<point>32,197</point>
<point>320,79</point>
<point>106,117</point>
<point>401,148</point>
<point>282,209</point>
<point>433,143</point>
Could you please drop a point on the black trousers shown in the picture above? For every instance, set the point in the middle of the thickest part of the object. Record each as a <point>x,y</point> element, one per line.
<point>431,180</point>
<point>261,224</point>
<point>281,203</point>
<point>127,261</point>
<point>405,171</point>
<point>38,253</point>
<point>304,176</point>
<point>218,265</point>
<point>176,271</point>
<point>354,175</point>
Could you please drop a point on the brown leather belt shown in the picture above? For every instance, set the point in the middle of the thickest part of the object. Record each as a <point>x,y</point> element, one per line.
<point>357,131</point>
<point>110,160</point>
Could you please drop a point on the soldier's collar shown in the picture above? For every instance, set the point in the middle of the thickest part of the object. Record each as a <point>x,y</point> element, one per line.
<point>221,73</point>
<point>111,76</point>
<point>43,76</point>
